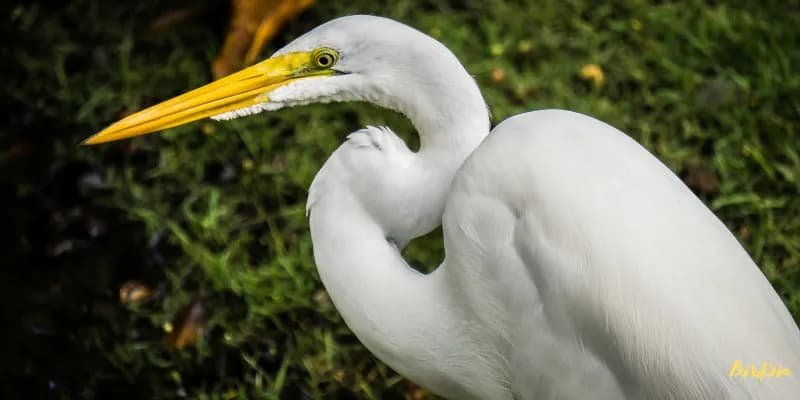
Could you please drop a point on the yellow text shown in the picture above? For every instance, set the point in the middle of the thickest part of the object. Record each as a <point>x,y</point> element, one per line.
<point>761,372</point>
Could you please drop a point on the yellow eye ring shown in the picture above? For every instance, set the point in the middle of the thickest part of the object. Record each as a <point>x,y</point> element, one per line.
<point>325,57</point>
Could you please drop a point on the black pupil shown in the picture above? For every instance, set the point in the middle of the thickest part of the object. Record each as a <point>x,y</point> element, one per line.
<point>324,60</point>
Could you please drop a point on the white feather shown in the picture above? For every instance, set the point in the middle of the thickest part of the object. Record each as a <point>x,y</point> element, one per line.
<point>577,265</point>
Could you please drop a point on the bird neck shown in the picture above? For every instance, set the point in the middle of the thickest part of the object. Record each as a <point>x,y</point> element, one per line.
<point>407,319</point>
<point>399,314</point>
<point>451,119</point>
<point>440,98</point>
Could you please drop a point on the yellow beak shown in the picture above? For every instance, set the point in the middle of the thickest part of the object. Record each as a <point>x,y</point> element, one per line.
<point>245,88</point>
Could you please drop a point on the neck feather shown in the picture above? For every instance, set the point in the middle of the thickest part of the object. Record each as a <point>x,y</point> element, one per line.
<point>399,314</point>
<point>406,318</point>
<point>454,118</point>
<point>442,100</point>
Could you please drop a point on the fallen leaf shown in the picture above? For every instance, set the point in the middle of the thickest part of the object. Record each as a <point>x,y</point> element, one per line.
<point>188,326</point>
<point>135,292</point>
<point>701,180</point>
<point>593,72</point>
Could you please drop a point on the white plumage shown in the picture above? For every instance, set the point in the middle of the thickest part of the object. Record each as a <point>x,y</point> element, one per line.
<point>577,265</point>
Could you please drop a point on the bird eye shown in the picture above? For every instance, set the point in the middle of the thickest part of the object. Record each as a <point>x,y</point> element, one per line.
<point>325,58</point>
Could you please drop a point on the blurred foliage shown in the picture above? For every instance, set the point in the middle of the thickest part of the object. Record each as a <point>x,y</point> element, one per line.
<point>211,215</point>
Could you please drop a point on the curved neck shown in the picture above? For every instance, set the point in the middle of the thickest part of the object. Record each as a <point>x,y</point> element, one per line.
<point>453,119</point>
<point>442,100</point>
<point>407,319</point>
<point>399,314</point>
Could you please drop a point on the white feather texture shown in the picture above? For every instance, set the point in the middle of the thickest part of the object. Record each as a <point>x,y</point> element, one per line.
<point>246,112</point>
<point>577,265</point>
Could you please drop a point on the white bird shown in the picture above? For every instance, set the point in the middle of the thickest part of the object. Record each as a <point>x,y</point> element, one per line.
<point>577,265</point>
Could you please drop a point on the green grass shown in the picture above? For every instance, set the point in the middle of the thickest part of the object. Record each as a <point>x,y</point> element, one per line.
<point>216,210</point>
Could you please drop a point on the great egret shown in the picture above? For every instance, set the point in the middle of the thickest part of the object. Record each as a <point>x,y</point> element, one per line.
<point>577,265</point>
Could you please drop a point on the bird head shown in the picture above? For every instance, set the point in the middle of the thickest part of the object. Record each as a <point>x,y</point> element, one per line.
<point>354,58</point>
